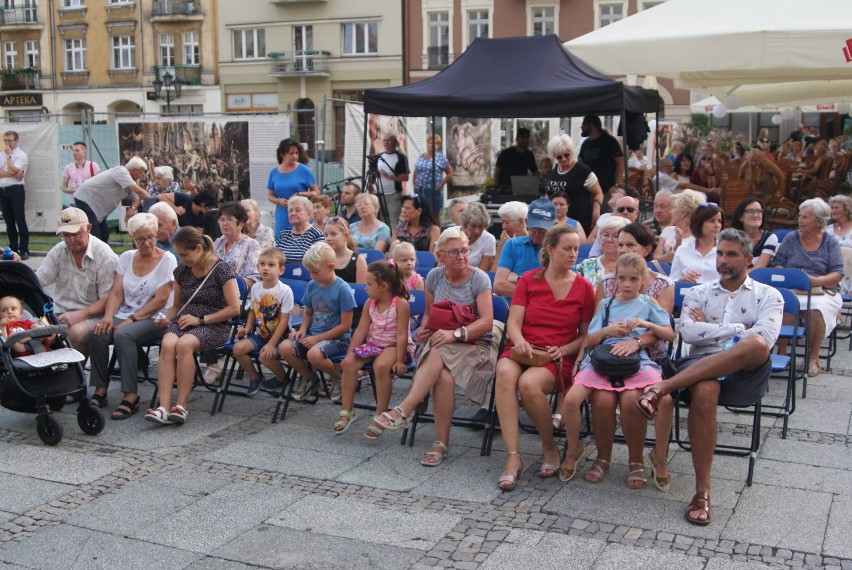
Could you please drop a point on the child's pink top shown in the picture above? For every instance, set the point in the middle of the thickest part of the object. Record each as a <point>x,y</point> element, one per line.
<point>412,283</point>
<point>383,326</point>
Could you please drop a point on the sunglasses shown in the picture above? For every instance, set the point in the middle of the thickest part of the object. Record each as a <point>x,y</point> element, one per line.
<point>561,156</point>
<point>706,204</point>
<point>628,209</point>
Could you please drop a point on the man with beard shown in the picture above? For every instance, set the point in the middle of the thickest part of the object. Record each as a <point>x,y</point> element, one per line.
<point>716,371</point>
<point>601,152</point>
<point>347,209</point>
<point>517,160</point>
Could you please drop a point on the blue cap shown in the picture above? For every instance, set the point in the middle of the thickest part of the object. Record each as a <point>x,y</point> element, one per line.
<point>541,214</point>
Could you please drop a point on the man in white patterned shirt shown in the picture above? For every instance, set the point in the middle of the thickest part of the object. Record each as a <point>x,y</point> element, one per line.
<point>713,314</point>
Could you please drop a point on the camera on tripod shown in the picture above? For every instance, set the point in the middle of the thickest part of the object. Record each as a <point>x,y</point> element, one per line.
<point>373,162</point>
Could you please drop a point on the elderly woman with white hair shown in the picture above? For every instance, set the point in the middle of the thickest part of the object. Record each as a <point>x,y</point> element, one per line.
<point>811,249</point>
<point>671,238</point>
<point>513,216</point>
<point>483,245</point>
<point>841,219</point>
<point>254,228</point>
<point>100,195</point>
<point>301,235</point>
<point>453,352</point>
<point>576,180</point>
<point>369,232</point>
<point>594,269</point>
<point>142,288</point>
<point>164,181</point>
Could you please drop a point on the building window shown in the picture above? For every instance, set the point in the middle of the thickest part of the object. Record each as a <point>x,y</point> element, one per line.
<point>123,52</point>
<point>610,13</point>
<point>191,51</point>
<point>648,5</point>
<point>477,25</point>
<point>303,37</point>
<point>439,39</point>
<point>360,38</point>
<point>249,43</point>
<point>72,3</point>
<point>31,53</point>
<point>75,55</point>
<point>543,21</point>
<point>166,41</point>
<point>10,55</point>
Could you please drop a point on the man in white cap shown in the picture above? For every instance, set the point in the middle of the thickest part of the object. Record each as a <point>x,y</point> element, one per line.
<point>83,267</point>
<point>100,195</point>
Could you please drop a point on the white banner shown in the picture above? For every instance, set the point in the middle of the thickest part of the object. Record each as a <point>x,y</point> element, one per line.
<point>43,175</point>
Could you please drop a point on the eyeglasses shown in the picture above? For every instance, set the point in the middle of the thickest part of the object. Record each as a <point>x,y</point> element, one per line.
<point>561,156</point>
<point>146,239</point>
<point>753,211</point>
<point>628,209</point>
<point>415,199</point>
<point>465,251</point>
<point>606,236</point>
<point>706,204</point>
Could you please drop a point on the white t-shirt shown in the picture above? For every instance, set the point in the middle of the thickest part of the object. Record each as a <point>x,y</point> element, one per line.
<point>387,163</point>
<point>268,305</point>
<point>138,290</point>
<point>485,244</point>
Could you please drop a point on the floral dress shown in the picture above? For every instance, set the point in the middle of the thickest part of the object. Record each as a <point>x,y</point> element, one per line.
<point>210,299</point>
<point>593,270</point>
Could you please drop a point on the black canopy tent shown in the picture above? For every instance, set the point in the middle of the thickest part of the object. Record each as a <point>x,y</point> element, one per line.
<point>512,77</point>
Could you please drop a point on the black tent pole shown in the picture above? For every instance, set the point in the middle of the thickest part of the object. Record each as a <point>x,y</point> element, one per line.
<point>624,143</point>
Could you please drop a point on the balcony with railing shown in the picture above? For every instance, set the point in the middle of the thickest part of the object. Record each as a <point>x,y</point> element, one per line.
<point>175,9</point>
<point>298,63</point>
<point>438,57</point>
<point>186,74</point>
<point>18,79</point>
<point>18,15</point>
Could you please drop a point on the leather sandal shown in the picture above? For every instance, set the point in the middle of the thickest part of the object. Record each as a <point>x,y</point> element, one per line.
<point>438,456</point>
<point>99,400</point>
<point>567,473</point>
<point>700,502</point>
<point>597,472</point>
<point>125,409</point>
<point>663,482</point>
<point>637,475</point>
<point>509,482</point>
<point>649,403</point>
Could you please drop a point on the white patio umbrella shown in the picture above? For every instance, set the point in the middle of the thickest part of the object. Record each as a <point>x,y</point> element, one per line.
<point>701,44</point>
<point>789,94</point>
<point>707,105</point>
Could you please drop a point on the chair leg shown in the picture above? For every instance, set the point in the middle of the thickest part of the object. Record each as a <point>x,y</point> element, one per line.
<point>755,443</point>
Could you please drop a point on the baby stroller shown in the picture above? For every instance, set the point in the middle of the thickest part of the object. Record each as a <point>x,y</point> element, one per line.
<point>40,389</point>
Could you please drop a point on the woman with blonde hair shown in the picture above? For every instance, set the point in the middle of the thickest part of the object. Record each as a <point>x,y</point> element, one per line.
<point>576,180</point>
<point>370,232</point>
<point>348,264</point>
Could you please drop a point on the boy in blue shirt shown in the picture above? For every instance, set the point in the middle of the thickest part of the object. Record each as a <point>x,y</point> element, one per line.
<point>326,326</point>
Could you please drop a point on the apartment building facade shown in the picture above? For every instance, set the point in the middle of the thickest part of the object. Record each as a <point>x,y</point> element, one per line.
<point>290,54</point>
<point>61,57</point>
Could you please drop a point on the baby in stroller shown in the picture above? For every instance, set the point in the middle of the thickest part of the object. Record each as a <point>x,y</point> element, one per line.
<point>12,321</point>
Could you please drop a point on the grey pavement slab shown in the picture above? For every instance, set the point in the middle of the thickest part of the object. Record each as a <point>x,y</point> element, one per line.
<point>277,547</point>
<point>619,557</point>
<point>213,563</point>
<point>284,459</point>
<point>56,464</point>
<point>472,478</point>
<point>775,516</point>
<point>64,547</point>
<point>6,517</point>
<point>350,518</point>
<point>218,517</point>
<point>145,504</point>
<point>554,551</point>
<point>21,494</point>
<point>798,476</point>
<point>806,453</point>
<point>719,564</point>
<point>820,415</point>
<point>313,438</point>
<point>611,502</point>
<point>837,541</point>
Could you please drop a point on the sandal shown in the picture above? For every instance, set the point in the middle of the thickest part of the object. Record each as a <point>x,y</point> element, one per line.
<point>663,482</point>
<point>342,424</point>
<point>597,471</point>
<point>511,481</point>
<point>375,429</point>
<point>158,416</point>
<point>567,473</point>
<point>389,422</point>
<point>649,403</point>
<point>125,409</point>
<point>557,421</point>
<point>813,368</point>
<point>438,456</point>
<point>700,503</point>
<point>99,400</point>
<point>548,470</point>
<point>637,476</point>
<point>177,415</point>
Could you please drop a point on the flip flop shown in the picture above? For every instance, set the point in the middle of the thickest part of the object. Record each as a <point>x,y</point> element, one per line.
<point>663,482</point>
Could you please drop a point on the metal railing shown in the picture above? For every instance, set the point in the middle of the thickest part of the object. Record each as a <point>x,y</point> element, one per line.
<point>14,79</point>
<point>301,62</point>
<point>438,57</point>
<point>18,15</point>
<point>186,74</point>
<point>175,8</point>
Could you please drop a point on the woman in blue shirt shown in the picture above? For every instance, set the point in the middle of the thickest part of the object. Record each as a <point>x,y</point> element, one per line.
<point>290,178</point>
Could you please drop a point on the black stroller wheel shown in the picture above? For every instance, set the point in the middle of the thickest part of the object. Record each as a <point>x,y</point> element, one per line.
<point>49,430</point>
<point>90,419</point>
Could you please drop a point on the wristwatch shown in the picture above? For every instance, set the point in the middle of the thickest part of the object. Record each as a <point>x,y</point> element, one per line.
<point>639,340</point>
<point>201,319</point>
<point>457,334</point>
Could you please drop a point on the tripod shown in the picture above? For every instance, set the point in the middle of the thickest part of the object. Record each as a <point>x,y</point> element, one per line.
<point>374,179</point>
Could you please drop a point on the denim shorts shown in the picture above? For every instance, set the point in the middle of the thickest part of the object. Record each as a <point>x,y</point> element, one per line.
<point>329,348</point>
<point>256,340</point>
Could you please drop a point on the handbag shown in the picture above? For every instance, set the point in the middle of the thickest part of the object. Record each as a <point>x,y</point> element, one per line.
<point>448,316</point>
<point>540,357</point>
<point>616,368</point>
<point>367,350</point>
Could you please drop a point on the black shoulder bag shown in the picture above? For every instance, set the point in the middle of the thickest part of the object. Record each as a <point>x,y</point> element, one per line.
<point>605,363</point>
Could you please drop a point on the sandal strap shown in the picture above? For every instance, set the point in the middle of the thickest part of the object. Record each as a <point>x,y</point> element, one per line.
<point>347,414</point>
<point>444,447</point>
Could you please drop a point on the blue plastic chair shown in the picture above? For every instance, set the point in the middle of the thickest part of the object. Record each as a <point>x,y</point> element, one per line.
<point>296,271</point>
<point>371,255</point>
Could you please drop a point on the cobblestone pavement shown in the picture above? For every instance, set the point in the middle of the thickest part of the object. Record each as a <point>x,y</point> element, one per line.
<point>236,491</point>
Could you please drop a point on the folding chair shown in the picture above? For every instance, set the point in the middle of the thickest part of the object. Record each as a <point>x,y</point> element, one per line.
<point>296,271</point>
<point>501,313</point>
<point>371,255</point>
<point>798,281</point>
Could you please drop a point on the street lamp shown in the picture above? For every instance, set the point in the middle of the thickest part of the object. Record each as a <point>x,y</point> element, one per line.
<point>168,90</point>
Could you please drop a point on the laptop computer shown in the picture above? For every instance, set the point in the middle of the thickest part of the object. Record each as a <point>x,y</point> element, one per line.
<point>525,187</point>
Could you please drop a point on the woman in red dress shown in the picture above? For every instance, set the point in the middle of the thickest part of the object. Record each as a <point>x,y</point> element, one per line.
<point>551,309</point>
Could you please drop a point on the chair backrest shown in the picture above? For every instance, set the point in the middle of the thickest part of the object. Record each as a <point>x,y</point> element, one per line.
<point>243,289</point>
<point>734,192</point>
<point>782,277</point>
<point>297,286</point>
<point>296,271</point>
<point>664,268</point>
<point>583,252</point>
<point>371,255</point>
<point>417,303</point>
<point>500,308</point>
<point>426,259</point>
<point>791,306</point>
<point>680,291</point>
<point>491,275</point>
<point>360,291</point>
<point>781,234</point>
